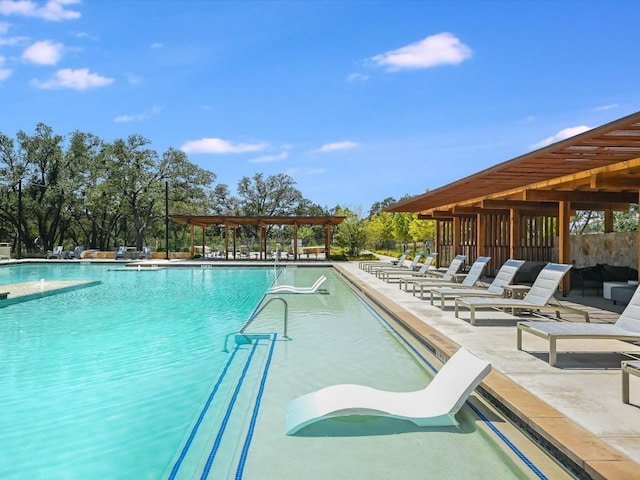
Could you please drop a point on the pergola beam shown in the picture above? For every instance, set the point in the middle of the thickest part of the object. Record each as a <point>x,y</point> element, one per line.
<point>579,196</point>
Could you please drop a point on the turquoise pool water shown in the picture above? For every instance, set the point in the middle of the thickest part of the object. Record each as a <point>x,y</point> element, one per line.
<point>102,382</point>
<point>123,380</point>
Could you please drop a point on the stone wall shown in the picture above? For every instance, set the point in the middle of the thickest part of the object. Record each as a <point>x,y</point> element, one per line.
<point>617,248</point>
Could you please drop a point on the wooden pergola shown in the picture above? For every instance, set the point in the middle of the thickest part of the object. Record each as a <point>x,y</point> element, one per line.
<point>512,209</point>
<point>232,223</point>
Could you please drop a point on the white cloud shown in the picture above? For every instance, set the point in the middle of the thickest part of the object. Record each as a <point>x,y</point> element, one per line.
<point>357,77</point>
<point>220,146</point>
<point>9,41</point>
<point>4,72</point>
<point>606,107</point>
<point>138,116</point>
<point>80,79</point>
<point>439,49</point>
<point>332,147</point>
<point>43,53</point>
<point>157,45</point>
<point>561,135</point>
<point>270,158</point>
<point>12,41</point>
<point>52,10</point>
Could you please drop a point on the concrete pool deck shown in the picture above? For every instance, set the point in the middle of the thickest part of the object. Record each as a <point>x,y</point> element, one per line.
<point>576,407</point>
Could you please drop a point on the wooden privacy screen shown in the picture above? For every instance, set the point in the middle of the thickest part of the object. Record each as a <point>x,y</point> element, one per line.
<point>536,237</point>
<point>533,238</point>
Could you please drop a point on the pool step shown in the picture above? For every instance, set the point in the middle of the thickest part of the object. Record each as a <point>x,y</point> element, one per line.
<point>213,447</point>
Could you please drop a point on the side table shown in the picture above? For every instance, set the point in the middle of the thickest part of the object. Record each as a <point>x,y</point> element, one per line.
<point>516,291</point>
<point>607,286</point>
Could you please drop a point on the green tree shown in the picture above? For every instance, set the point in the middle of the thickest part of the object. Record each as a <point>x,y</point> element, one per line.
<point>626,221</point>
<point>401,222</point>
<point>379,229</point>
<point>421,230</point>
<point>378,207</point>
<point>351,234</point>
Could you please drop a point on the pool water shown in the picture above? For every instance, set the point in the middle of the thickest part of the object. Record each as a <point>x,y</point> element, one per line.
<point>131,379</point>
<point>101,382</point>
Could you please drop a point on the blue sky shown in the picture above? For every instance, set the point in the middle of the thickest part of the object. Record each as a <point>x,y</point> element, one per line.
<point>356,100</point>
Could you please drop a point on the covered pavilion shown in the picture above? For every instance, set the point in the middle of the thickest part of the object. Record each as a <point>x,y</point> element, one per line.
<point>515,209</point>
<point>231,223</point>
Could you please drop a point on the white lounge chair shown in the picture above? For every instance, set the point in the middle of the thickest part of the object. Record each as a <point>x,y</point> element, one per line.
<point>291,289</point>
<point>434,406</point>
<point>424,271</point>
<point>449,275</point>
<point>539,297</point>
<point>396,263</point>
<point>626,328</point>
<point>413,266</point>
<point>469,281</point>
<point>364,265</point>
<point>55,253</point>
<point>373,269</point>
<point>121,252</point>
<point>496,289</point>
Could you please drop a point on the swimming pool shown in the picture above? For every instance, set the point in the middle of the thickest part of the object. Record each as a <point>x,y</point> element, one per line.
<point>130,379</point>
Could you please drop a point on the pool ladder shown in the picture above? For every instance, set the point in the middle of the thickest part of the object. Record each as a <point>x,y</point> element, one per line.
<point>246,338</point>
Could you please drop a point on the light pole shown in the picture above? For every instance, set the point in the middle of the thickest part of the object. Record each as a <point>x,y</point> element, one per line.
<point>166,218</point>
<point>19,249</point>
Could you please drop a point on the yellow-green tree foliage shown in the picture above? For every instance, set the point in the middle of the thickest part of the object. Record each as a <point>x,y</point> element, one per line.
<point>421,230</point>
<point>401,222</point>
<point>379,228</point>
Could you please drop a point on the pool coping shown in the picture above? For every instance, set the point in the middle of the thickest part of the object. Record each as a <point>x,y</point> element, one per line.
<point>593,456</point>
<point>26,291</point>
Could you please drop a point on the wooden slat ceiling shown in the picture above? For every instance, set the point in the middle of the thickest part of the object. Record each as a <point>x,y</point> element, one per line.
<point>602,163</point>
<point>235,221</point>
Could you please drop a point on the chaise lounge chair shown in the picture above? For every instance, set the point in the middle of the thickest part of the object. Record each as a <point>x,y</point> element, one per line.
<point>291,289</point>
<point>55,253</point>
<point>364,265</point>
<point>413,266</point>
<point>449,275</point>
<point>626,328</point>
<point>539,298</point>
<point>424,271</point>
<point>496,289</point>
<point>469,281</point>
<point>434,406</point>
<point>396,263</point>
<point>121,252</point>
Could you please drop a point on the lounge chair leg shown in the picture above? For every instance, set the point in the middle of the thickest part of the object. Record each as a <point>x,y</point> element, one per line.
<point>519,339</point>
<point>472,319</point>
<point>441,302</point>
<point>455,309</point>
<point>625,384</point>
<point>431,297</point>
<point>552,351</point>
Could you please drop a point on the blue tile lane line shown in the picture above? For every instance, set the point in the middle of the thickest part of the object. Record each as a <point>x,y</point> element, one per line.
<point>185,449</point>
<point>227,415</point>
<point>486,421</point>
<point>254,417</point>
